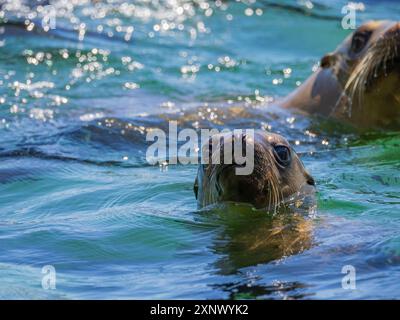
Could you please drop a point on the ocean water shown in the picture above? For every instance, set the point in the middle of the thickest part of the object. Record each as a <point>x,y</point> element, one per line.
<point>76,192</point>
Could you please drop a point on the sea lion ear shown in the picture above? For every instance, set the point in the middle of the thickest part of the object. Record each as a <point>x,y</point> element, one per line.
<point>196,188</point>
<point>328,60</point>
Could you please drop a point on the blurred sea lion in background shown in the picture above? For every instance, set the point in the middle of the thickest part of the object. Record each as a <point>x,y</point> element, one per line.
<point>359,82</point>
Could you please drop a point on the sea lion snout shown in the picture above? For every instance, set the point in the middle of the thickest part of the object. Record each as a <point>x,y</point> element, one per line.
<point>229,183</point>
<point>241,188</point>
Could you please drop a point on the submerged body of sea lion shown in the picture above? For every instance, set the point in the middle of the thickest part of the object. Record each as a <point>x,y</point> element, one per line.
<point>359,82</point>
<point>277,173</point>
<point>244,242</point>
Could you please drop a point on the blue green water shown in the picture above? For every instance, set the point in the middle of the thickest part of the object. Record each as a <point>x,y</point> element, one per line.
<point>75,189</point>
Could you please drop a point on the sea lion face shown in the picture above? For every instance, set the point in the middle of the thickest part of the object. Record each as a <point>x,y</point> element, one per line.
<point>278,173</point>
<point>367,67</point>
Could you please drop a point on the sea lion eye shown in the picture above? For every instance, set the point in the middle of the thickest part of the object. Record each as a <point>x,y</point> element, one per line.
<point>359,41</point>
<point>282,154</point>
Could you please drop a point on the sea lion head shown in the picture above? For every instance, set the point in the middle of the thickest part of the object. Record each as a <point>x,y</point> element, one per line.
<point>359,81</point>
<point>367,66</point>
<point>277,172</point>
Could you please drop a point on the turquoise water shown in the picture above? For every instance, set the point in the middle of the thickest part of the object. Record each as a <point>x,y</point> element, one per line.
<point>75,189</point>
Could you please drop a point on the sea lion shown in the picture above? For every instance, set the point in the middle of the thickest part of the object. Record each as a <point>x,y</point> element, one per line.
<point>359,82</point>
<point>277,172</point>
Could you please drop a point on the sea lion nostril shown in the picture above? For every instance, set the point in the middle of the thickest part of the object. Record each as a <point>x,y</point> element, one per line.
<point>311,181</point>
<point>327,60</point>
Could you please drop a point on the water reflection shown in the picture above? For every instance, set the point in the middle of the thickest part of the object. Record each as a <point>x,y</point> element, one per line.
<point>249,237</point>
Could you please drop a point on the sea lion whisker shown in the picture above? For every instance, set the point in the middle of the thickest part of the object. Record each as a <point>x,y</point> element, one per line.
<point>362,73</point>
<point>275,189</point>
<point>270,194</point>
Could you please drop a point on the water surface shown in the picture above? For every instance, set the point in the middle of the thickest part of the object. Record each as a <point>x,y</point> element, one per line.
<point>75,189</point>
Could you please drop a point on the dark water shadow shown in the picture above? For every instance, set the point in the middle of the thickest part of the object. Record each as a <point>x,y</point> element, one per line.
<point>278,290</point>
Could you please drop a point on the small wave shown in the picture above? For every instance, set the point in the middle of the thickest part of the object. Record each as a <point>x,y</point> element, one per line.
<point>36,153</point>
